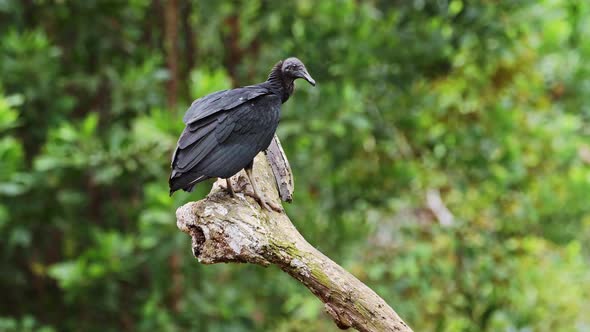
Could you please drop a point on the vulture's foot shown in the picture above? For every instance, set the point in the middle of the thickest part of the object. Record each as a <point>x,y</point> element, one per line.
<point>265,204</point>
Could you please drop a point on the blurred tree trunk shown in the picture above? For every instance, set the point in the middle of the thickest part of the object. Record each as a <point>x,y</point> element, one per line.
<point>233,53</point>
<point>171,11</point>
<point>190,48</point>
<point>171,46</point>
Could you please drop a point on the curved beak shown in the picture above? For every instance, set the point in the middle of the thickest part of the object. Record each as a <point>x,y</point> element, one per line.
<point>305,75</point>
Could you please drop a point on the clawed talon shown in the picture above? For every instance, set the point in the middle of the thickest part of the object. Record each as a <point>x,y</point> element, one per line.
<point>268,205</point>
<point>265,204</point>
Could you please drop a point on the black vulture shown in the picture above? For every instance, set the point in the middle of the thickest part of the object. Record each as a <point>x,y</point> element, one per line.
<point>225,130</point>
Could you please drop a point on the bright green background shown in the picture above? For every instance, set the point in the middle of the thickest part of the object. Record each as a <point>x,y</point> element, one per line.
<point>484,101</point>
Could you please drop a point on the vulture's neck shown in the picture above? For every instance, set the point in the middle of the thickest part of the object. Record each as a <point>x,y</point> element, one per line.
<point>279,84</point>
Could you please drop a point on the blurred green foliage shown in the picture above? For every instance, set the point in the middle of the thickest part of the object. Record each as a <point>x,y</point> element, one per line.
<point>482,101</point>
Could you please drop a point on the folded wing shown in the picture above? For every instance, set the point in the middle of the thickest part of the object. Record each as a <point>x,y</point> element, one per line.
<point>225,141</point>
<point>221,101</point>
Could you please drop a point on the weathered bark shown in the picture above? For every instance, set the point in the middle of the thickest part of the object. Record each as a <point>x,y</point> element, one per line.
<point>225,229</point>
<point>281,170</point>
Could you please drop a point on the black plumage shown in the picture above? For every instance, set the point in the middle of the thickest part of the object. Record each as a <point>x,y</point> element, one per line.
<point>225,130</point>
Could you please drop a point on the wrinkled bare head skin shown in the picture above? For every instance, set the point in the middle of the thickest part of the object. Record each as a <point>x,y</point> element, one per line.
<point>293,69</point>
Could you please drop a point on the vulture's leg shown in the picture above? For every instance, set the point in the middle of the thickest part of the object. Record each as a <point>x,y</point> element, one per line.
<point>230,189</point>
<point>261,199</point>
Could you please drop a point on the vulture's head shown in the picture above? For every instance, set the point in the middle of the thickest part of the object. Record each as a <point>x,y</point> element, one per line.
<point>293,69</point>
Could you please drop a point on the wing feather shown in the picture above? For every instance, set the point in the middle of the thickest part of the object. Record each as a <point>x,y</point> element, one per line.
<point>189,137</point>
<point>189,157</point>
<point>222,101</point>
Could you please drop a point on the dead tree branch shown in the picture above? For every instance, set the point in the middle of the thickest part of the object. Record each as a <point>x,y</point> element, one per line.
<point>225,229</point>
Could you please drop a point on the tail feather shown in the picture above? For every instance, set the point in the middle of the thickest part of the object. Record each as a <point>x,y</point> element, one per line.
<point>186,181</point>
